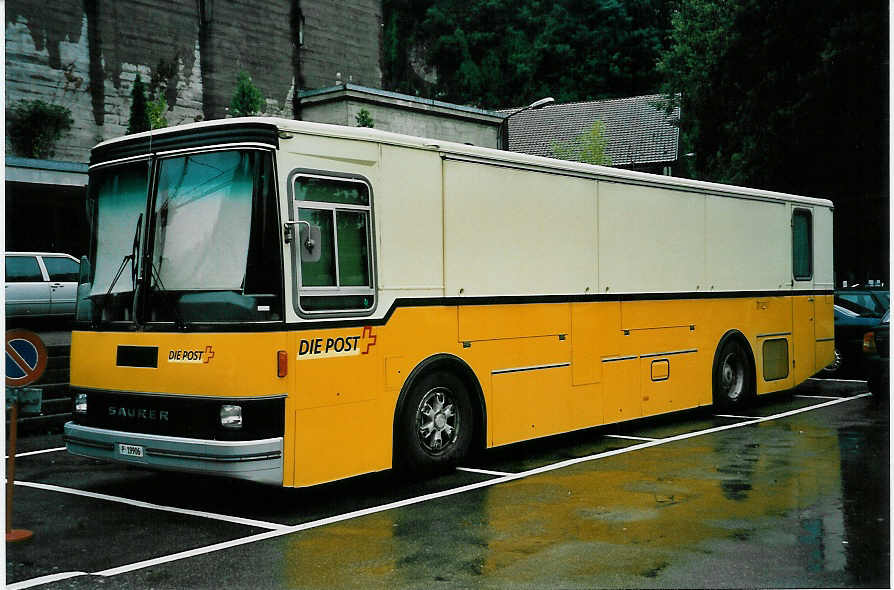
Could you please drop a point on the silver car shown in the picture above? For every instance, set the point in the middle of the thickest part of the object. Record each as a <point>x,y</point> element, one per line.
<point>41,284</point>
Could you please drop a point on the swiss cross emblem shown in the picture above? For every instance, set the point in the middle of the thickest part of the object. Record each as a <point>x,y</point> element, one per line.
<point>367,340</point>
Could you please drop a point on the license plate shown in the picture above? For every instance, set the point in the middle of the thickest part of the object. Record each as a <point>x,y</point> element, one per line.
<point>130,450</point>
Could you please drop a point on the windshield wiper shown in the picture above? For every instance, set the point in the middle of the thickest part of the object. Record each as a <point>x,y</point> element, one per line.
<point>179,322</point>
<point>132,257</point>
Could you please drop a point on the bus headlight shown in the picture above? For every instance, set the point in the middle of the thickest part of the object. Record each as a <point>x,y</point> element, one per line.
<point>80,403</point>
<point>231,416</point>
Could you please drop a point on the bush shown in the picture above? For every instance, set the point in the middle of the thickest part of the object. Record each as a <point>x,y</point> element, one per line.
<point>364,119</point>
<point>34,127</point>
<point>156,110</point>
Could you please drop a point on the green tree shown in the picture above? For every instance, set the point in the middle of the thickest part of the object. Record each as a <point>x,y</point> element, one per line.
<point>782,96</point>
<point>588,147</point>
<point>247,99</point>
<point>502,52</point>
<point>34,126</point>
<point>139,115</point>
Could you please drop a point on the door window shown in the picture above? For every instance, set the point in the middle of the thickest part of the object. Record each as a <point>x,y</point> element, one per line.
<point>63,270</point>
<point>23,269</point>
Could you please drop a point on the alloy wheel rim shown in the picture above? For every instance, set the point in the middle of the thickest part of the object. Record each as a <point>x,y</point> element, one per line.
<point>732,376</point>
<point>437,421</point>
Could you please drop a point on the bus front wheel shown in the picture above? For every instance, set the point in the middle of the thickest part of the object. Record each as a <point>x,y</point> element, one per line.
<point>733,382</point>
<point>436,427</point>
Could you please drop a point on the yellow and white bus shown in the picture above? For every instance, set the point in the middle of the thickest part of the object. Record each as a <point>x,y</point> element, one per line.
<point>295,303</point>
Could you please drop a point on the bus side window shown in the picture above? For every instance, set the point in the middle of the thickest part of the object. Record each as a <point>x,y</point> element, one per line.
<point>802,245</point>
<point>334,251</point>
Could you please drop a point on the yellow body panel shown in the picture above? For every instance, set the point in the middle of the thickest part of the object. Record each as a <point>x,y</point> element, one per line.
<point>243,364</point>
<point>542,368</point>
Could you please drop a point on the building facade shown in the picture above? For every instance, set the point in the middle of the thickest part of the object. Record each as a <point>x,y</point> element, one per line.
<point>84,55</point>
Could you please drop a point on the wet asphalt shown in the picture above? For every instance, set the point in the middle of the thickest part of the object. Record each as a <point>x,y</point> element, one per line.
<point>801,500</point>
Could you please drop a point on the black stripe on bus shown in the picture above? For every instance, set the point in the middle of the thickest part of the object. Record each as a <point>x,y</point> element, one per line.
<point>444,302</point>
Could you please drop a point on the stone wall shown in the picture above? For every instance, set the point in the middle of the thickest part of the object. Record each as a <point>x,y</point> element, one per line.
<point>85,55</point>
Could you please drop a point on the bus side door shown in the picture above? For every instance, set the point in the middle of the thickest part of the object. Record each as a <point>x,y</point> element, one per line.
<point>803,304</point>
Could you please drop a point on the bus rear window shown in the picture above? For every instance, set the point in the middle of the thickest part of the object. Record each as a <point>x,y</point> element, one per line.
<point>802,245</point>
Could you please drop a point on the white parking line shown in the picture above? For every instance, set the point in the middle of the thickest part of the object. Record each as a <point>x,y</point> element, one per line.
<point>44,580</point>
<point>442,494</point>
<point>819,396</point>
<point>29,453</point>
<point>483,471</point>
<point>838,380</point>
<point>631,437</point>
<point>737,417</point>
<point>232,519</point>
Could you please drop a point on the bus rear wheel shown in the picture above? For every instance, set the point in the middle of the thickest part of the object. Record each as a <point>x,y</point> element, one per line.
<point>733,383</point>
<point>436,426</point>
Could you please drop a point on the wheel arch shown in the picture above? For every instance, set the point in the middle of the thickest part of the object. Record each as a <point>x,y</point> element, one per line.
<point>461,369</point>
<point>735,334</point>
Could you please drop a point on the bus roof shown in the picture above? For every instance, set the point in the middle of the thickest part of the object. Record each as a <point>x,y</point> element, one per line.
<point>470,153</point>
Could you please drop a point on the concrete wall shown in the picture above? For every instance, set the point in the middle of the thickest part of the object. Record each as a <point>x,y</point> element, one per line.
<point>341,38</point>
<point>403,114</point>
<point>85,54</point>
<point>250,36</point>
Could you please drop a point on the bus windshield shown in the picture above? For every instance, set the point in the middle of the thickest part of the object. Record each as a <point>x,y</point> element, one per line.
<point>212,238</point>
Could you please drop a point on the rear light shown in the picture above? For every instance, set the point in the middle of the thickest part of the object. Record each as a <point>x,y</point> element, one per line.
<point>282,363</point>
<point>869,342</point>
<point>80,403</point>
<point>231,416</point>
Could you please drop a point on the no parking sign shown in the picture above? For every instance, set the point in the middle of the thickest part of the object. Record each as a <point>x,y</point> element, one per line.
<point>26,358</point>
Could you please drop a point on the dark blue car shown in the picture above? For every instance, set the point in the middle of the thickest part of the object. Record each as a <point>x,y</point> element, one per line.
<point>877,358</point>
<point>856,311</point>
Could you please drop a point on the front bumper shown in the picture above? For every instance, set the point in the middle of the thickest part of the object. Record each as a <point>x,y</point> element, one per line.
<point>253,460</point>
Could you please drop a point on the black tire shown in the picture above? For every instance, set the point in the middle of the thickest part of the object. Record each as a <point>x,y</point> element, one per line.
<point>733,375</point>
<point>436,426</point>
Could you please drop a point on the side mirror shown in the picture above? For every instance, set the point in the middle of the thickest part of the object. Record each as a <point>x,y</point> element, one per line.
<point>311,241</point>
<point>84,273</point>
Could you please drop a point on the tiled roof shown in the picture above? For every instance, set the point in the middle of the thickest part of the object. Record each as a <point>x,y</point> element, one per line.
<point>637,129</point>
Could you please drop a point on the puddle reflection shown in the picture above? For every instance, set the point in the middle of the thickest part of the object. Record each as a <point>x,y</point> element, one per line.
<point>770,494</point>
